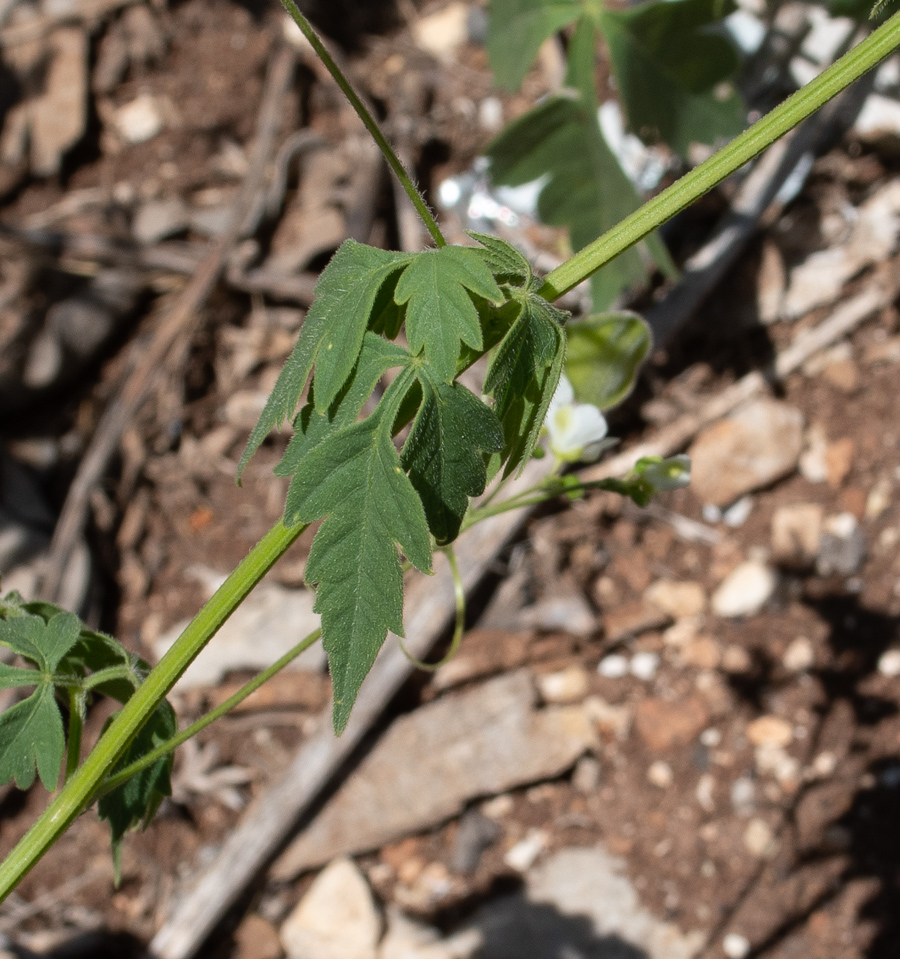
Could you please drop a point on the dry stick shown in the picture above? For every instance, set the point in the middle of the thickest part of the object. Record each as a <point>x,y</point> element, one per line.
<point>676,435</point>
<point>430,608</point>
<point>758,195</point>
<point>181,318</point>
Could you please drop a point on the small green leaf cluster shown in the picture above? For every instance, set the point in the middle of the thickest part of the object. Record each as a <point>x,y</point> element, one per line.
<point>68,661</point>
<point>455,304</point>
<point>672,67</point>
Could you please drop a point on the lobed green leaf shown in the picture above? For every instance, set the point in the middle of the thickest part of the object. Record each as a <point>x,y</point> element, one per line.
<point>31,735</point>
<point>354,478</point>
<point>444,453</point>
<point>668,60</point>
<point>516,30</point>
<point>523,376</point>
<point>440,311</point>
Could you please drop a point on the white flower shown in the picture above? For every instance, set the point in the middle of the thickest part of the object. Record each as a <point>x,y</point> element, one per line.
<point>665,474</point>
<point>577,431</point>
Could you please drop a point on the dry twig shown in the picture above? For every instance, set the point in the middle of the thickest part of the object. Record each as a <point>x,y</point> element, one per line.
<point>166,338</point>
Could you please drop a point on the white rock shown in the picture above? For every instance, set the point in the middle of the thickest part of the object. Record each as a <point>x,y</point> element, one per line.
<point>156,220</point>
<point>336,919</point>
<point>799,656</point>
<point>644,665</point>
<point>736,946</point>
<point>878,121</point>
<point>738,514</point>
<point>889,663</point>
<point>796,533</point>
<point>660,774</point>
<point>443,32</point>
<point>770,731</point>
<point>566,686</point>
<point>614,666</point>
<point>523,855</point>
<point>680,599</point>
<point>759,839</point>
<point>757,445</point>
<point>140,120</point>
<point>743,796</point>
<point>593,886</point>
<point>744,591</point>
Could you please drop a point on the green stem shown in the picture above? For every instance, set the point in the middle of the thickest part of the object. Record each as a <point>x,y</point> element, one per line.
<point>73,750</point>
<point>370,122</point>
<point>459,593</point>
<point>81,787</point>
<point>743,148</point>
<point>190,731</point>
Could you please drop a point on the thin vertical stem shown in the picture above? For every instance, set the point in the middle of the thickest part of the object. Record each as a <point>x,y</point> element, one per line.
<point>370,122</point>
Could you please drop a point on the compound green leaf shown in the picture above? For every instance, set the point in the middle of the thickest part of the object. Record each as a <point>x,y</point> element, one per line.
<point>439,311</point>
<point>285,395</point>
<point>345,297</point>
<point>586,188</point>
<point>354,478</point>
<point>376,357</point>
<point>134,803</point>
<point>44,643</point>
<point>524,374</point>
<point>506,262</point>
<point>603,356</point>
<point>444,453</point>
<point>332,334</point>
<point>669,60</point>
<point>31,735</point>
<point>516,30</point>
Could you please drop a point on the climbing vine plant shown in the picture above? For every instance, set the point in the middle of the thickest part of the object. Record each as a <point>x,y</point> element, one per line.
<point>383,502</point>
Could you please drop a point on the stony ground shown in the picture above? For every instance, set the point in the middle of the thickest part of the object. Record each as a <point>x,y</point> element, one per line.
<point>667,733</point>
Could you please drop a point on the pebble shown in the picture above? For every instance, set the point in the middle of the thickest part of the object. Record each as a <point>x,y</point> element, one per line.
<point>706,786</point>
<point>889,663</point>
<point>738,514</point>
<point>660,774</point>
<point>586,777</point>
<point>743,796</point>
<point>736,660</point>
<point>751,449</point>
<point>633,619</point>
<point>336,919</point>
<point>843,547</point>
<point>523,855</point>
<point>570,613</point>
<point>443,32</point>
<point>736,946</point>
<point>702,653</point>
<point>796,532</point>
<point>140,120</point>
<point>799,656</point>
<point>614,666</point>
<point>644,665</point>
<point>475,835</point>
<point>770,731</point>
<point>663,724</point>
<point>744,591</point>
<point>157,220</point>
<point>878,123</point>
<point>566,686</point>
<point>759,838</point>
<point>606,717</point>
<point>257,939</point>
<point>680,600</point>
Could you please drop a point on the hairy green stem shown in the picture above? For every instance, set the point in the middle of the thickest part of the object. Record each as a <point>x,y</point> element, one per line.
<point>73,748</point>
<point>79,790</point>
<point>370,122</point>
<point>190,731</point>
<point>743,148</point>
